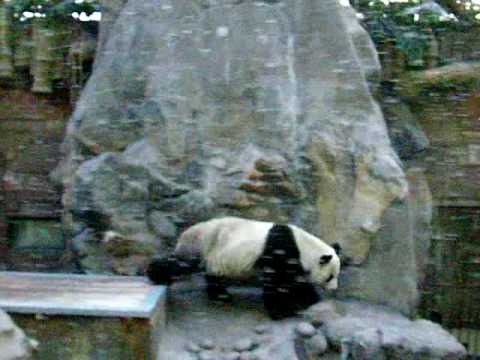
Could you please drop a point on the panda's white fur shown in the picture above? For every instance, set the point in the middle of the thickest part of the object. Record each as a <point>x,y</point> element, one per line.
<point>230,247</point>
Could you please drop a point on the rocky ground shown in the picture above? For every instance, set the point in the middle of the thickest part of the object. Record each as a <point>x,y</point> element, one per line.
<point>203,330</point>
<point>200,329</point>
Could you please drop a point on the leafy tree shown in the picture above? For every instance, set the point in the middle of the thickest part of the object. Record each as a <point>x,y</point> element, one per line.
<point>411,23</point>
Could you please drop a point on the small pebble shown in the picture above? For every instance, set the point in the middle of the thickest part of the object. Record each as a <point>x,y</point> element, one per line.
<point>248,356</point>
<point>316,345</point>
<point>208,355</point>
<point>261,329</point>
<point>192,347</point>
<point>231,356</point>
<point>207,344</point>
<point>305,329</point>
<point>243,345</point>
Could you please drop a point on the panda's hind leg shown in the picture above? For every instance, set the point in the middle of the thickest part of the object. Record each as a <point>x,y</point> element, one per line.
<point>164,271</point>
<point>217,288</point>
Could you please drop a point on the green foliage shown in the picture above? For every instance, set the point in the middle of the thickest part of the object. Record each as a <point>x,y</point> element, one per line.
<point>51,9</point>
<point>394,22</point>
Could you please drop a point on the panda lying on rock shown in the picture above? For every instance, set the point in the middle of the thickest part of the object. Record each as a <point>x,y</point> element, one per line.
<point>288,260</point>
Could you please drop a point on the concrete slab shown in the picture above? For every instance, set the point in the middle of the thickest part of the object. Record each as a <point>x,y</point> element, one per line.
<point>86,316</point>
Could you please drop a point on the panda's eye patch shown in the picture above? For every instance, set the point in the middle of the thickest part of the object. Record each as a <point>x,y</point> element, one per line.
<point>325,259</point>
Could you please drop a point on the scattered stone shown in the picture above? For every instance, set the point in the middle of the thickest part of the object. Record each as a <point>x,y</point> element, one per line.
<point>316,345</point>
<point>242,345</point>
<point>262,329</point>
<point>372,332</point>
<point>192,347</point>
<point>365,345</point>
<point>305,329</point>
<point>248,356</point>
<point>208,355</point>
<point>231,356</point>
<point>207,344</point>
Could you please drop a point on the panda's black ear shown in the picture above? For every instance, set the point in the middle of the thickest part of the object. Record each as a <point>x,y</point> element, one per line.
<point>325,259</point>
<point>337,248</point>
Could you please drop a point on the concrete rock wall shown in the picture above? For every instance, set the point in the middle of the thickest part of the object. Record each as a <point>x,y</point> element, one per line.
<point>254,108</point>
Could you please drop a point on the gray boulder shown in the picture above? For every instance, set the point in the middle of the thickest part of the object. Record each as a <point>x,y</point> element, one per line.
<point>364,332</point>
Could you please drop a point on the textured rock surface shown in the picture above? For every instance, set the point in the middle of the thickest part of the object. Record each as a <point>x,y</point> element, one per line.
<point>343,330</point>
<point>14,344</point>
<point>396,261</point>
<point>363,331</point>
<point>255,108</point>
<point>316,345</point>
<point>408,138</point>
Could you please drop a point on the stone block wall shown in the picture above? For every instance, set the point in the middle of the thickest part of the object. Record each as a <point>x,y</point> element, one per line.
<point>449,116</point>
<point>32,129</point>
<point>3,224</point>
<point>433,116</point>
<point>452,123</point>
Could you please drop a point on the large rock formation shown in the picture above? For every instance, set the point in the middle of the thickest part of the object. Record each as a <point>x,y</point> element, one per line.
<point>254,108</point>
<point>397,257</point>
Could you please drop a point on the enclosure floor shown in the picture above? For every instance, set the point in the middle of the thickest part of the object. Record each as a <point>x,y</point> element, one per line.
<point>191,317</point>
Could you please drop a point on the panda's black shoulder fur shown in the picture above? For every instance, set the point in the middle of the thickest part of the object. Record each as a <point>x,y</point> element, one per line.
<point>281,255</point>
<point>284,294</point>
<point>281,241</point>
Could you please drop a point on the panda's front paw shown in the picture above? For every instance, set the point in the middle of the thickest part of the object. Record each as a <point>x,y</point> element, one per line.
<point>159,272</point>
<point>279,305</point>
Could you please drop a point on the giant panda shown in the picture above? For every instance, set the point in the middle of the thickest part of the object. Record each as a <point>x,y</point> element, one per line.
<point>285,258</point>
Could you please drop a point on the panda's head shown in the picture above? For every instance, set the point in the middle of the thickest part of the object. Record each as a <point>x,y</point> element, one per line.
<point>325,267</point>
